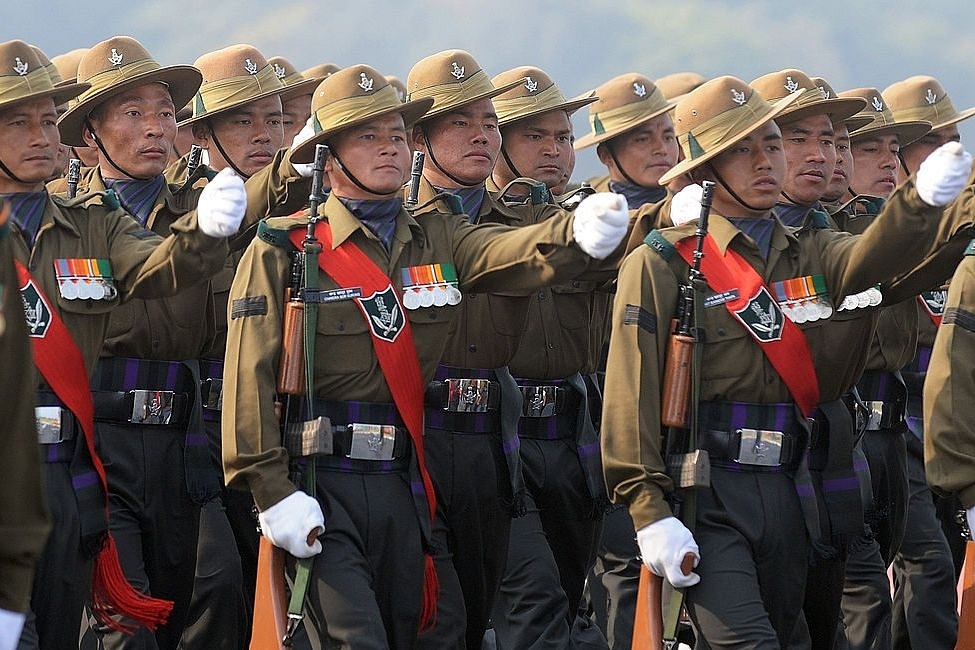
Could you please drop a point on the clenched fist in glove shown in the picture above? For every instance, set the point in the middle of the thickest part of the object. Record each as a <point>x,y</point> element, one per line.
<point>686,204</point>
<point>221,206</point>
<point>663,545</point>
<point>600,223</point>
<point>943,174</point>
<point>290,522</point>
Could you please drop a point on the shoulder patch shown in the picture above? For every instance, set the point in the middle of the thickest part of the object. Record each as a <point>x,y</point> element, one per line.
<point>107,198</point>
<point>248,306</point>
<point>275,231</point>
<point>657,242</point>
<point>637,315</point>
<point>970,249</point>
<point>539,194</point>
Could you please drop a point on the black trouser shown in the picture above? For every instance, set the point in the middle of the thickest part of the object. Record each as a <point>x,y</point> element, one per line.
<point>615,579</point>
<point>551,550</point>
<point>471,481</point>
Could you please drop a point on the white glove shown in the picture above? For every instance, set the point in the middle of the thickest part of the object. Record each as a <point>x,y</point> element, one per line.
<point>686,204</point>
<point>663,545</point>
<point>11,625</point>
<point>970,516</point>
<point>307,132</point>
<point>600,223</point>
<point>221,206</point>
<point>288,523</point>
<point>943,174</point>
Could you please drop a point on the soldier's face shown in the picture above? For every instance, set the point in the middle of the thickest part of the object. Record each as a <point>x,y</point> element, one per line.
<point>540,147</point>
<point>644,153</point>
<point>29,142</point>
<point>249,135</point>
<point>295,112</point>
<point>137,129</point>
<point>840,180</point>
<point>810,157</point>
<point>376,153</point>
<point>465,142</point>
<point>915,153</point>
<point>754,168</point>
<point>875,165</point>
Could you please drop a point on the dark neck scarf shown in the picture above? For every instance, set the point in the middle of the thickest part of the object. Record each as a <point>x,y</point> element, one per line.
<point>27,209</point>
<point>795,215</point>
<point>759,229</point>
<point>137,196</point>
<point>379,216</point>
<point>638,195</point>
<point>471,199</point>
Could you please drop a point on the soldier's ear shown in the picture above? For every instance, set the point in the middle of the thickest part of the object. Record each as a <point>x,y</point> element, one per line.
<point>201,133</point>
<point>419,139</point>
<point>86,135</point>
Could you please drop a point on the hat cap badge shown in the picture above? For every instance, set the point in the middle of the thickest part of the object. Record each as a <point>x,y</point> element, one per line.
<point>250,66</point>
<point>826,92</point>
<point>279,71</point>
<point>456,71</point>
<point>738,96</point>
<point>639,89</point>
<point>791,84</point>
<point>877,104</point>
<point>115,57</point>
<point>530,84</point>
<point>365,82</point>
<point>931,97</point>
<point>20,67</point>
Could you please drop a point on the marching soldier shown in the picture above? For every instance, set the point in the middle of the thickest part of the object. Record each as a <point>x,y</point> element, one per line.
<point>552,547</point>
<point>23,511</point>
<point>159,474</point>
<point>761,373</point>
<point>925,612</point>
<point>390,288</point>
<point>296,96</point>
<point>81,258</point>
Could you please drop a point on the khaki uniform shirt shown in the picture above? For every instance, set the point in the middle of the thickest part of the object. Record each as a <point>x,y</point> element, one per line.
<point>144,265</point>
<point>734,367</point>
<point>24,519</point>
<point>487,257</point>
<point>949,392</point>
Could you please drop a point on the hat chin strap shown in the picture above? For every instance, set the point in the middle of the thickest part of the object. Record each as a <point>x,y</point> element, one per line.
<point>223,152</point>
<point>101,147</point>
<point>629,179</point>
<point>433,158</point>
<point>510,163</point>
<point>11,175</point>
<point>355,181</point>
<point>730,191</point>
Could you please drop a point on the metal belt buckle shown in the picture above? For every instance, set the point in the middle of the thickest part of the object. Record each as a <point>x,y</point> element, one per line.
<point>309,437</point>
<point>49,425</point>
<point>151,406</point>
<point>760,447</point>
<point>875,415</point>
<point>467,395</point>
<point>539,401</point>
<point>372,441</point>
<point>213,394</point>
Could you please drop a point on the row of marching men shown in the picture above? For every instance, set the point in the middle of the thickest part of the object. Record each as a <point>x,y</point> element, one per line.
<point>434,465</point>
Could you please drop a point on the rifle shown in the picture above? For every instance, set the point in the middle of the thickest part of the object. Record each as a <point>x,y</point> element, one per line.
<point>966,600</point>
<point>653,631</point>
<point>273,625</point>
<point>416,171</point>
<point>74,175</point>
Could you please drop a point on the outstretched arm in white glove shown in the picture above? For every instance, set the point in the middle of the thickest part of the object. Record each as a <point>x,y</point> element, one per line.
<point>663,545</point>
<point>686,204</point>
<point>292,521</point>
<point>600,223</point>
<point>943,174</point>
<point>221,206</point>
<point>306,133</point>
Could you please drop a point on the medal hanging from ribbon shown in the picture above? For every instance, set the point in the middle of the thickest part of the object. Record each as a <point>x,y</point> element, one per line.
<point>803,299</point>
<point>83,279</point>
<point>430,285</point>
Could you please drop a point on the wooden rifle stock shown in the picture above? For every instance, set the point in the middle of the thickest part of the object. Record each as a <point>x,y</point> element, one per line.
<point>966,601</point>
<point>270,600</point>
<point>648,627</point>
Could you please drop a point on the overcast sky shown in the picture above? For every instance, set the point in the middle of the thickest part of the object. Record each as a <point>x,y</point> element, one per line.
<point>580,43</point>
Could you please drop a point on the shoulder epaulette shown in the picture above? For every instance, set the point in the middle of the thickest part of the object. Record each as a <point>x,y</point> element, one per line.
<point>452,202</point>
<point>970,249</point>
<point>538,194</point>
<point>659,243</point>
<point>107,198</point>
<point>275,230</point>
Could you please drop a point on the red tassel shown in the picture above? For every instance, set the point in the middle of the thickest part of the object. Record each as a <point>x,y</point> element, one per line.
<point>431,593</point>
<point>112,595</point>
